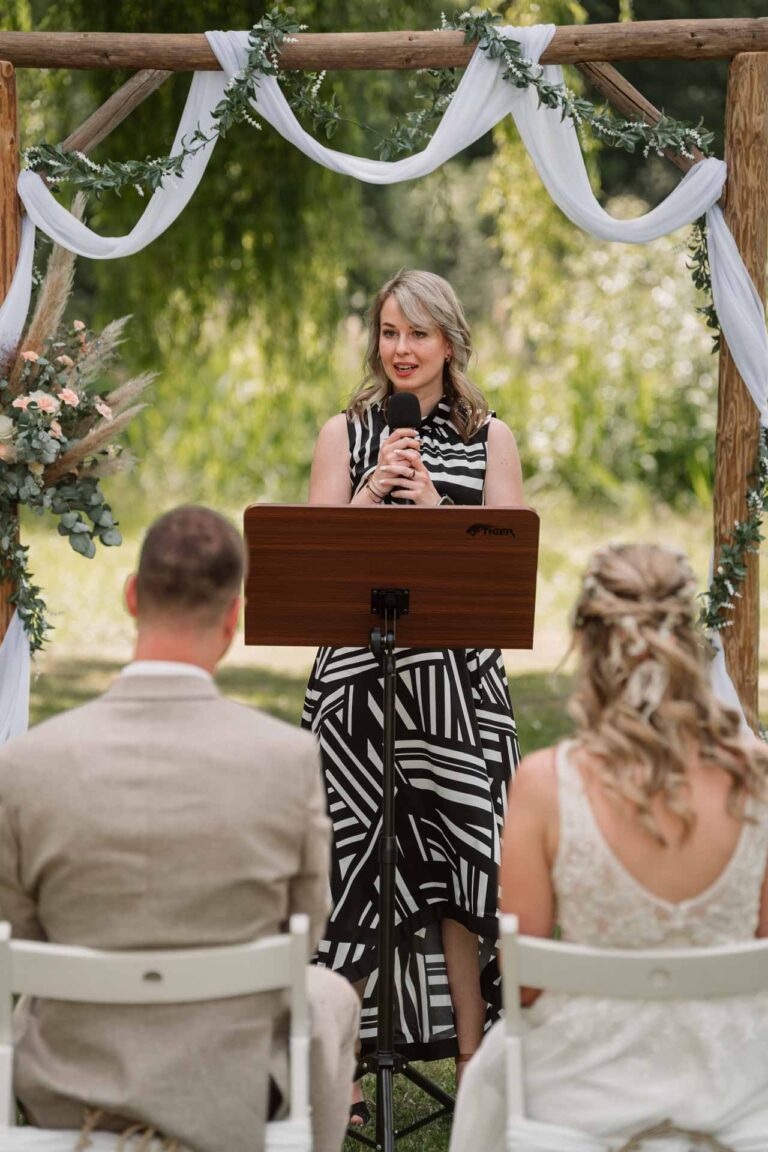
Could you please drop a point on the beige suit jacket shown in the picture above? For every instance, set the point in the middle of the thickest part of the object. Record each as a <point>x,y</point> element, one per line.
<point>159,815</point>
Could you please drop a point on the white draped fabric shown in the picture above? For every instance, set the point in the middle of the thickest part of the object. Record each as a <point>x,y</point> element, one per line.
<point>481,1121</point>
<point>532,1136</point>
<point>482,99</point>
<point>476,1131</point>
<point>14,681</point>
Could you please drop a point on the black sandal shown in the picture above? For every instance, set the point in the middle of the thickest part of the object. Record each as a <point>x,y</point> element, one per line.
<point>360,1111</point>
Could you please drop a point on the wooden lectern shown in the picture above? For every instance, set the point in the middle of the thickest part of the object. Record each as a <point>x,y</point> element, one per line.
<point>448,577</point>
<point>470,573</point>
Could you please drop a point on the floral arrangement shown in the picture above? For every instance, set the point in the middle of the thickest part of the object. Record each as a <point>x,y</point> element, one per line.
<point>59,436</point>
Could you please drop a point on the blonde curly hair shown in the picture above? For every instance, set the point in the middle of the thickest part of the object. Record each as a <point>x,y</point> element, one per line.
<point>428,299</point>
<point>643,699</point>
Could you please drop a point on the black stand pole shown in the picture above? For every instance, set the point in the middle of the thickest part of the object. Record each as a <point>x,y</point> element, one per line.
<point>386,1061</point>
<point>390,603</point>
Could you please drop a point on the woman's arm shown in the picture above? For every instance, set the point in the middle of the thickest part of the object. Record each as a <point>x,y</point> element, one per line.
<point>529,848</point>
<point>329,481</point>
<point>503,476</point>
<point>529,845</point>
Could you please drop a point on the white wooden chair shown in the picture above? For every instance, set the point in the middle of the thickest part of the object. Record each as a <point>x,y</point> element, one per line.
<point>86,976</point>
<point>573,969</point>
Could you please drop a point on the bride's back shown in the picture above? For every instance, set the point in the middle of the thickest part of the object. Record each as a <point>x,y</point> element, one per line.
<point>682,867</point>
<point>615,885</point>
<point>660,787</point>
<point>650,827</point>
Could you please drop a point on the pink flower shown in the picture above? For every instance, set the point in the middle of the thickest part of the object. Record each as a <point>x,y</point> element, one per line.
<point>44,401</point>
<point>103,409</point>
<point>47,403</point>
<point>31,356</point>
<point>78,326</point>
<point>67,361</point>
<point>56,430</point>
<point>68,396</point>
<point>21,402</point>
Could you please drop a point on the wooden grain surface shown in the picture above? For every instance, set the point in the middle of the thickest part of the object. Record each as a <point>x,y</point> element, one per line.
<point>185,52</point>
<point>631,103</point>
<point>114,110</point>
<point>472,582</point>
<point>746,153</point>
<point>10,225</point>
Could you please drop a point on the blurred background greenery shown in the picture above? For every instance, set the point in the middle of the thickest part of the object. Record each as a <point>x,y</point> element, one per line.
<point>251,305</point>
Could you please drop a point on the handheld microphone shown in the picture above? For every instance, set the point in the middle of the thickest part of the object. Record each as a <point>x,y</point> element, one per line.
<point>403,411</point>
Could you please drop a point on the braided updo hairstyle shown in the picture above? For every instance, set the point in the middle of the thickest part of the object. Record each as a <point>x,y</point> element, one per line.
<point>643,703</point>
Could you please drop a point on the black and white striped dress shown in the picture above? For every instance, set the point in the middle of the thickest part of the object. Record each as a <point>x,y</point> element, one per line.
<point>456,748</point>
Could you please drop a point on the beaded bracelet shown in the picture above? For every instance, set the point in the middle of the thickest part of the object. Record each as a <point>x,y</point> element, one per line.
<point>378,497</point>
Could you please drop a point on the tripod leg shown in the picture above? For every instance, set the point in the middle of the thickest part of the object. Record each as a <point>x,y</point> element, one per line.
<point>429,1087</point>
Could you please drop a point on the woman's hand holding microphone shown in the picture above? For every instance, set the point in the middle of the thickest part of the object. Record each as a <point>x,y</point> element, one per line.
<point>400,471</point>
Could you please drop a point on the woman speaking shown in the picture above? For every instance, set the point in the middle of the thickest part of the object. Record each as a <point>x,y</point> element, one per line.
<point>456,742</point>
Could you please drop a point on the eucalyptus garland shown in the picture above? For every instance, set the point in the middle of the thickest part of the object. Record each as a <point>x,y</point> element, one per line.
<point>744,540</point>
<point>519,70</point>
<point>702,278</point>
<point>277,28</point>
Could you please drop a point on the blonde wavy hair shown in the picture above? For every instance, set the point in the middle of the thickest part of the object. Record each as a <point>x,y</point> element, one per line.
<point>428,300</point>
<point>643,702</point>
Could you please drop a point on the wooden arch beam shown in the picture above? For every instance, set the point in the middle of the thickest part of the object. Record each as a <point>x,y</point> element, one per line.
<point>572,44</point>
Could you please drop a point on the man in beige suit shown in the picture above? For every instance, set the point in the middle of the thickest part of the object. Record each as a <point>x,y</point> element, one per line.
<point>162,815</point>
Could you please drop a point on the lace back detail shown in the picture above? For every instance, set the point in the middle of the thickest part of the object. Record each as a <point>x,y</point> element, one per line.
<point>599,902</point>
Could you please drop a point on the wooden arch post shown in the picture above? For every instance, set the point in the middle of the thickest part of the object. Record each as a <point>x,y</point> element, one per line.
<point>10,233</point>
<point>738,423</point>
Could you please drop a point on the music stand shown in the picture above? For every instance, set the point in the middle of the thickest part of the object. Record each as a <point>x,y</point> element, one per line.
<point>449,577</point>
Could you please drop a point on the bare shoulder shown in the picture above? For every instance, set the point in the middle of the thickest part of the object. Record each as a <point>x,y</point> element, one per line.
<point>334,430</point>
<point>535,781</point>
<point>500,434</point>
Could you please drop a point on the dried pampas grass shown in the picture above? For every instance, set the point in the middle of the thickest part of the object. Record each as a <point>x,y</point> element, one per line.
<point>99,438</point>
<point>101,350</point>
<point>126,394</point>
<point>51,301</point>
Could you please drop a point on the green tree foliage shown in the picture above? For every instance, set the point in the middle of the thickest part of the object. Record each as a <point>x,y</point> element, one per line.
<point>609,378</point>
<point>270,254</point>
<point>267,226</point>
<point>250,303</point>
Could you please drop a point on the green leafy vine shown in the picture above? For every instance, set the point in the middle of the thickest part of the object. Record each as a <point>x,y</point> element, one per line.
<point>745,540</point>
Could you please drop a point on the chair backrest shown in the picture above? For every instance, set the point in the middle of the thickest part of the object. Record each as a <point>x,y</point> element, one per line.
<point>617,973</point>
<point>181,976</point>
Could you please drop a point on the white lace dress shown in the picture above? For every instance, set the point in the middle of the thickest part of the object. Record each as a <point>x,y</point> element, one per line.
<point>610,1068</point>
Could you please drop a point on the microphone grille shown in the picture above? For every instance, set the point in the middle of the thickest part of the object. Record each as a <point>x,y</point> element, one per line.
<point>403,411</point>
